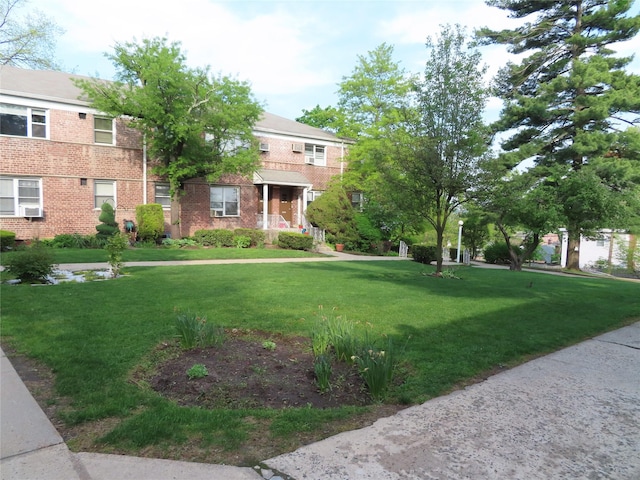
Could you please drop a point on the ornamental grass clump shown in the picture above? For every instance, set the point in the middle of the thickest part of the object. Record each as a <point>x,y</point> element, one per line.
<point>194,331</point>
<point>322,370</point>
<point>376,367</point>
<point>342,337</point>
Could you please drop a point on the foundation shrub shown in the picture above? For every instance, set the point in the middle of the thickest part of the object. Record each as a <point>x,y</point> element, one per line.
<point>150,219</point>
<point>295,241</point>
<point>7,240</point>
<point>257,236</point>
<point>219,237</point>
<point>108,225</point>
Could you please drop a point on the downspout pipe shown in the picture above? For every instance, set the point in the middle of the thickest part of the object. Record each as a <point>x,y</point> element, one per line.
<point>144,170</point>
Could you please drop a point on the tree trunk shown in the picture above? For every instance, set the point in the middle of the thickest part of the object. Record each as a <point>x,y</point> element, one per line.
<point>573,248</point>
<point>175,216</point>
<point>439,236</point>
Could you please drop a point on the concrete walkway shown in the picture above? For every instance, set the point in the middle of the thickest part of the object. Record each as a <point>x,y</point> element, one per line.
<point>573,414</point>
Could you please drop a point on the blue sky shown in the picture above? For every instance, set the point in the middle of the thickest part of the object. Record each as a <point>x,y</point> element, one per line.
<point>293,53</point>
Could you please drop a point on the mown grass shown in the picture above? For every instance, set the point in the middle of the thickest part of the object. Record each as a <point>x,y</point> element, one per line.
<point>87,255</point>
<point>94,334</point>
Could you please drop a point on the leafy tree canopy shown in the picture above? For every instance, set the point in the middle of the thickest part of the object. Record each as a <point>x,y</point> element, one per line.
<point>195,124</point>
<point>568,100</point>
<point>27,41</point>
<point>328,118</point>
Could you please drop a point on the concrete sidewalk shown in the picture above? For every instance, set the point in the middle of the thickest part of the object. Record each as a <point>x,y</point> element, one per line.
<point>574,414</point>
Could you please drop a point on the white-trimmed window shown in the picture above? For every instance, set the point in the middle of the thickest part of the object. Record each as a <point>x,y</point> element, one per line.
<point>104,192</point>
<point>225,200</point>
<point>314,154</point>
<point>20,197</point>
<point>103,130</point>
<point>23,121</point>
<point>312,195</point>
<point>162,195</point>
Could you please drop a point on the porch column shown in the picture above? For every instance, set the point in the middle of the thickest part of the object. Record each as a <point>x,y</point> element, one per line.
<point>265,206</point>
<point>305,192</point>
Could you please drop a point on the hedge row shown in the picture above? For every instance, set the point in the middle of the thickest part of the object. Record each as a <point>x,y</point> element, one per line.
<point>295,241</point>
<point>221,237</point>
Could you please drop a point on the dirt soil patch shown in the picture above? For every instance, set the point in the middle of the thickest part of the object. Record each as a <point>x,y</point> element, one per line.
<point>242,373</point>
<point>253,369</point>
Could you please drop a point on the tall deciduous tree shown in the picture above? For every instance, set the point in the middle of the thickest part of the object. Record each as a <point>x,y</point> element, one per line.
<point>27,41</point>
<point>195,125</point>
<point>443,138</point>
<point>566,101</point>
<point>371,100</point>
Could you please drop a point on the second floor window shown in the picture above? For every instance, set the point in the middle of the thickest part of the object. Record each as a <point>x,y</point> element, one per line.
<point>103,130</point>
<point>314,154</point>
<point>23,121</point>
<point>225,201</point>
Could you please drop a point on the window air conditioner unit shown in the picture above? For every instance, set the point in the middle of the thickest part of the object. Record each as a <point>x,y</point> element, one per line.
<point>264,147</point>
<point>29,211</point>
<point>297,147</point>
<point>309,160</point>
<point>216,213</point>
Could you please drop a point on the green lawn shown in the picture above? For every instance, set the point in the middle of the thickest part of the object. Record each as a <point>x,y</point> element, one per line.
<point>93,334</point>
<point>87,255</point>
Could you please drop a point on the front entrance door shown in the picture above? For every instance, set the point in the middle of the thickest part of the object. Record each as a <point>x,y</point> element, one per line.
<point>286,203</point>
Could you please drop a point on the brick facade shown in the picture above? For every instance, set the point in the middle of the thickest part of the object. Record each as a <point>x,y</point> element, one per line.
<point>69,162</point>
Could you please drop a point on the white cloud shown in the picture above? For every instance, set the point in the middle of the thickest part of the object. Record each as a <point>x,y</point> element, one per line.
<point>270,50</point>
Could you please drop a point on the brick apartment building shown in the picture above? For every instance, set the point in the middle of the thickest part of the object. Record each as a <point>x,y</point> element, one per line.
<point>61,159</point>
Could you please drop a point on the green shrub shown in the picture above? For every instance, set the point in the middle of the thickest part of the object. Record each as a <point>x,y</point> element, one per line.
<point>218,237</point>
<point>295,241</point>
<point>424,253</point>
<point>7,240</point>
<point>150,219</point>
<point>242,241</point>
<point>70,240</point>
<point>333,212</point>
<point>369,237</point>
<point>257,236</point>
<point>198,370</point>
<point>31,265</point>
<point>497,253</point>
<point>179,243</point>
<point>109,226</point>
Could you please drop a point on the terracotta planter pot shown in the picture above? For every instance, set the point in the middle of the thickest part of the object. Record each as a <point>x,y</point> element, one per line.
<point>339,247</point>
